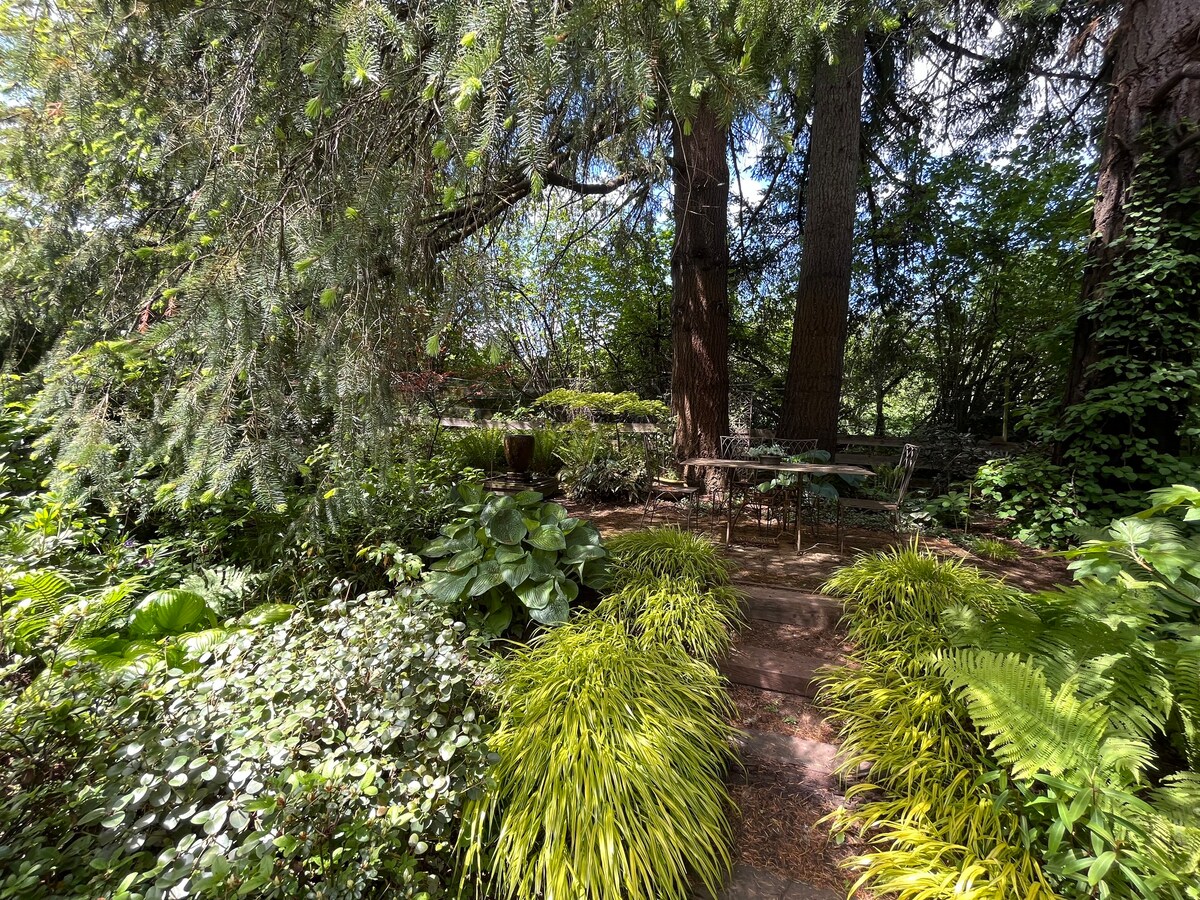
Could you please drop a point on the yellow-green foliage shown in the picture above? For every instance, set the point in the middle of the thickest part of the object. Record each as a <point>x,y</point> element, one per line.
<point>990,548</point>
<point>608,783</point>
<point>684,612</point>
<point>625,403</point>
<point>666,552</point>
<point>941,821</point>
<point>1011,739</point>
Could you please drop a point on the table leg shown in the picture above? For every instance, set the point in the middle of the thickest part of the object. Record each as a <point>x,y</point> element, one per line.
<point>729,505</point>
<point>799,505</point>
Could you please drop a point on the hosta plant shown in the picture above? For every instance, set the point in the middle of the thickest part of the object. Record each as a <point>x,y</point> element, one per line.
<point>48,620</point>
<point>511,558</point>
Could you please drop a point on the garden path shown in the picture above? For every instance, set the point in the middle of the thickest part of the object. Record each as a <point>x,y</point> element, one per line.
<point>786,785</point>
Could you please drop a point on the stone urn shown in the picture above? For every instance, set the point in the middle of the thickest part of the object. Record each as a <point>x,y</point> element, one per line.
<point>518,453</point>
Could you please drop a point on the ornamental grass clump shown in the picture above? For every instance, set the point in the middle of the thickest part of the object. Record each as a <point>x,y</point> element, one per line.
<point>681,612</point>
<point>942,820</point>
<point>608,784</point>
<point>666,552</point>
<point>900,594</point>
<point>1038,746</point>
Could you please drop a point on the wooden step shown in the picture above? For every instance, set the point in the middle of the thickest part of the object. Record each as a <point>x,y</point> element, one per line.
<point>788,607</point>
<point>773,670</point>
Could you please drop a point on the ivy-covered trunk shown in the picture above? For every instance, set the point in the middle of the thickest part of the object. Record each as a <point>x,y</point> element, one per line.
<point>700,285</point>
<point>812,394</point>
<point>1133,372</point>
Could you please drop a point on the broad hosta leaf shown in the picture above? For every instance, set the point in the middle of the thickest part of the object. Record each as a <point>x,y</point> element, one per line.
<point>505,555</point>
<point>548,537</point>
<point>170,611</point>
<point>519,572</point>
<point>470,492</point>
<point>464,559</point>
<point>444,546</point>
<point>556,612</point>
<point>268,614</point>
<point>202,641</point>
<point>536,595</point>
<point>489,577</point>
<point>498,621</point>
<point>507,526</point>
<point>448,587</point>
<point>582,553</point>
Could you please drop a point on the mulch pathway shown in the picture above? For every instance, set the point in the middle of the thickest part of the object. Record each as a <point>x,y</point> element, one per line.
<point>778,828</point>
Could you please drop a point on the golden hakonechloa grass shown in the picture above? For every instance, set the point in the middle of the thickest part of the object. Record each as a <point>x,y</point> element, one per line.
<point>681,612</point>
<point>665,552</point>
<point>608,783</point>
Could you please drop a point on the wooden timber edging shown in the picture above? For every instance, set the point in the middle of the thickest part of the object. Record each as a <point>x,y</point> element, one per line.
<point>773,670</point>
<point>789,607</point>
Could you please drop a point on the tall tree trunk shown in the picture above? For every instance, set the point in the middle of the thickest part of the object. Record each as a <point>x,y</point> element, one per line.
<point>1153,63</point>
<point>700,286</point>
<point>812,393</point>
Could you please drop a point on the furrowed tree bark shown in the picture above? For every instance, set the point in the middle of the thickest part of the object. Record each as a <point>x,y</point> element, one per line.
<point>1153,67</point>
<point>700,286</point>
<point>812,392</point>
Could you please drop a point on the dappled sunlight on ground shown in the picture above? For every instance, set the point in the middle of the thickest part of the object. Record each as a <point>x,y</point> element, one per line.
<point>761,554</point>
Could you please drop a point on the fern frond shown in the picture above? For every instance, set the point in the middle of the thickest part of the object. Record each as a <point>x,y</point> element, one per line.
<point>1032,729</point>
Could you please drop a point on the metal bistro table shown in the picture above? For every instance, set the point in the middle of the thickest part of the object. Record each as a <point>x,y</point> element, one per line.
<point>801,469</point>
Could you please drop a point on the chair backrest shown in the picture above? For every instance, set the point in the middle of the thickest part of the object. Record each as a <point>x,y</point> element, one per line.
<point>791,446</point>
<point>738,446</point>
<point>734,446</point>
<point>659,457</point>
<point>908,465</point>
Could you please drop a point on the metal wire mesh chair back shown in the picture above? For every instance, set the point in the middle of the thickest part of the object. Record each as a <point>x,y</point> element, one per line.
<point>738,446</point>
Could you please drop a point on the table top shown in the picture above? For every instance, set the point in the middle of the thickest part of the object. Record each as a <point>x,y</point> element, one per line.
<point>715,462</point>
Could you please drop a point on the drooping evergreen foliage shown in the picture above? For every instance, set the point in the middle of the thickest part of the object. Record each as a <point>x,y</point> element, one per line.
<point>239,229</point>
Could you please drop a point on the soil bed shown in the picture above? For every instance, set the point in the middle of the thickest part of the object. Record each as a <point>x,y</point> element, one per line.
<point>772,711</point>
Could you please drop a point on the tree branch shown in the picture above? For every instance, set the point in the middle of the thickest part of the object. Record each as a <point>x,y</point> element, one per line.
<point>944,43</point>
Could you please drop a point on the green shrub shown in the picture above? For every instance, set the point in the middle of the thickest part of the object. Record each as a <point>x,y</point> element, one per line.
<point>512,556</point>
<point>683,612</point>
<point>1047,504</point>
<point>609,781</point>
<point>626,404</point>
<point>478,448</point>
<point>665,552</point>
<point>546,442</point>
<point>594,469</point>
<point>323,757</point>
